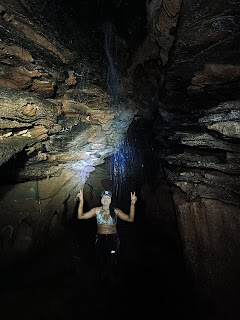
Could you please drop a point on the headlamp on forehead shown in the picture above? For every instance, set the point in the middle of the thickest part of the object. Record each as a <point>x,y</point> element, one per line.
<point>106,193</point>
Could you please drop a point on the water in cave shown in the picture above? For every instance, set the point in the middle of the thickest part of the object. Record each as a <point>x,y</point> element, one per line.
<point>62,281</point>
<point>124,163</point>
<point>110,48</point>
<point>150,279</point>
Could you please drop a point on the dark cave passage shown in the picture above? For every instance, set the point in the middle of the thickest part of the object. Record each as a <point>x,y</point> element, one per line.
<point>63,280</point>
<point>151,280</point>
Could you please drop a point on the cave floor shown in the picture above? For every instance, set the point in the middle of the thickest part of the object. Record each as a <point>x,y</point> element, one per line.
<point>151,283</point>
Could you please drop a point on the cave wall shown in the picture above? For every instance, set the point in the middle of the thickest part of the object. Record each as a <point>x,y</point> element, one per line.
<point>194,97</point>
<point>209,230</point>
<point>58,121</point>
<point>35,214</point>
<point>205,71</point>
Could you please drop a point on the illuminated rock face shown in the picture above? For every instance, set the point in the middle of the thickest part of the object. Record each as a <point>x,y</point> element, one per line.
<point>56,125</point>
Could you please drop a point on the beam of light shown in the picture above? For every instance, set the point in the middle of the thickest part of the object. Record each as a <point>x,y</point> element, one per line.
<point>82,169</point>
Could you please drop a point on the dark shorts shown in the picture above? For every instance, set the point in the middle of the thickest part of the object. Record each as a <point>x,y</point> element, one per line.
<point>107,248</point>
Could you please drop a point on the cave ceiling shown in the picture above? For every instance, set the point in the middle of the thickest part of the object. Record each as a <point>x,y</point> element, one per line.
<point>56,109</point>
<point>178,65</point>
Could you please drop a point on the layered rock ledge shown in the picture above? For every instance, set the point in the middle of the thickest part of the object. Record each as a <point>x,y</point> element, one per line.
<point>56,125</point>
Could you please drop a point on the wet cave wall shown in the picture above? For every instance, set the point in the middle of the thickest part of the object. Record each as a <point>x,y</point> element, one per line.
<point>194,93</point>
<point>64,115</point>
<point>59,121</point>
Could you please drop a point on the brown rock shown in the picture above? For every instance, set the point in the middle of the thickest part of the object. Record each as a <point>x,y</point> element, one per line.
<point>45,88</point>
<point>18,78</point>
<point>214,74</point>
<point>39,133</point>
<point>49,188</point>
<point>29,109</point>
<point>227,128</point>
<point>31,34</point>
<point>166,20</point>
<point>72,106</point>
<point>71,80</point>
<point>42,156</point>
<point>25,72</point>
<point>147,51</point>
<point>2,9</point>
<point>210,234</point>
<point>19,52</point>
<point>12,102</point>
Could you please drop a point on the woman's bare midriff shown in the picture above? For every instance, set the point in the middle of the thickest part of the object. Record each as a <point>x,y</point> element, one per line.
<point>107,228</point>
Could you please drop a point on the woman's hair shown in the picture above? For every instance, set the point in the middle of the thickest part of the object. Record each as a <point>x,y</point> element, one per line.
<point>112,213</point>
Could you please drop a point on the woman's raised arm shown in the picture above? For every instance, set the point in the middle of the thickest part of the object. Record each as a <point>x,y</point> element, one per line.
<point>86,215</point>
<point>124,216</point>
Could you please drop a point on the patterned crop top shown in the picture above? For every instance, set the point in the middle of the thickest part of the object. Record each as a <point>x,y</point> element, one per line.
<point>100,219</point>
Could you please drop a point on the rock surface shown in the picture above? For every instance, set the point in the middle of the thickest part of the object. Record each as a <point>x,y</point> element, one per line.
<point>186,80</point>
<point>56,125</point>
<point>198,139</point>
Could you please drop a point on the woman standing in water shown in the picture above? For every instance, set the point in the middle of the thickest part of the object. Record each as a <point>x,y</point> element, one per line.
<point>107,242</point>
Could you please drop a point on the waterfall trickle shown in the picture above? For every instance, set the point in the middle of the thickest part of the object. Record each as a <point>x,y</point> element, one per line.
<point>126,160</point>
<point>126,171</point>
<point>110,47</point>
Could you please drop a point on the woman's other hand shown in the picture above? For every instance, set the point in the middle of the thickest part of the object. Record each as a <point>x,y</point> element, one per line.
<point>133,198</point>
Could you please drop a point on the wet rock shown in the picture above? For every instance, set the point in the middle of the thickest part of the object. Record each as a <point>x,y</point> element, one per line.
<point>166,22</point>
<point>23,239</point>
<point>147,51</point>
<point>16,51</point>
<point>224,119</point>
<point>71,80</point>
<point>28,204</point>
<point>209,229</point>
<point>162,20</point>
<point>20,77</point>
<point>214,74</point>
<point>48,188</point>
<point>44,88</point>
<point>23,107</point>
<point>30,33</point>
<point>227,129</point>
<point>198,140</point>
<point>205,53</point>
<point>57,123</point>
<point>205,140</point>
<point>199,183</point>
<point>56,228</point>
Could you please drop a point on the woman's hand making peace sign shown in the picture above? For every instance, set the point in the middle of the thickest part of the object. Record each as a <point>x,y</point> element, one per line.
<point>133,198</point>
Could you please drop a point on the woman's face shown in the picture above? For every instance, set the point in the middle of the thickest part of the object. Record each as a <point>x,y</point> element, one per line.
<point>106,200</point>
